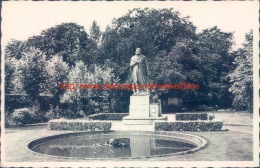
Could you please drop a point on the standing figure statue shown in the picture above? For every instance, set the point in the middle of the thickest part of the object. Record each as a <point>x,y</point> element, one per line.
<point>139,71</point>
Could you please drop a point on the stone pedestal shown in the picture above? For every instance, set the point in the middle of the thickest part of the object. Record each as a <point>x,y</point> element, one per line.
<point>139,106</point>
<point>142,112</point>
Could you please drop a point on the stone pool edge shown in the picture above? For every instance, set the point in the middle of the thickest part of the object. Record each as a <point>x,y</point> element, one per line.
<point>198,140</point>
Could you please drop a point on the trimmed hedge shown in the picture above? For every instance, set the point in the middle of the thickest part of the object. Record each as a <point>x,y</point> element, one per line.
<point>62,124</point>
<point>191,116</point>
<point>108,116</point>
<point>188,126</point>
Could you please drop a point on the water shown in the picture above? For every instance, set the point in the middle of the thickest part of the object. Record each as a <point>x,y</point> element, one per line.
<point>95,146</point>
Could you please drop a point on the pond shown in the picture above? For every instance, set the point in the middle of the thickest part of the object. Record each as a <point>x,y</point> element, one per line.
<point>112,145</point>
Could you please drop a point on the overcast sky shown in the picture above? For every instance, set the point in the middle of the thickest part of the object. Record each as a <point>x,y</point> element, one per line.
<point>21,19</point>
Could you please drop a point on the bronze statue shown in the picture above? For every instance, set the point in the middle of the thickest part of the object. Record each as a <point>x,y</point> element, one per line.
<point>139,71</point>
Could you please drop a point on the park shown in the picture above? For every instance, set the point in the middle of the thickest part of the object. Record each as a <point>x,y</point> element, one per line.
<point>150,87</point>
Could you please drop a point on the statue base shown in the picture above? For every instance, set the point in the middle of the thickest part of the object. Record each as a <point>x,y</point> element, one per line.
<point>129,120</point>
<point>142,112</point>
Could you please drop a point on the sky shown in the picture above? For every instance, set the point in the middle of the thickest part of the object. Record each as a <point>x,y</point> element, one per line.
<point>23,19</point>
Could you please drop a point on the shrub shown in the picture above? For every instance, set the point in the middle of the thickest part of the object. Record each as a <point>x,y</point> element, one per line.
<point>50,114</point>
<point>63,124</point>
<point>8,120</point>
<point>191,116</point>
<point>71,114</point>
<point>188,126</point>
<point>53,113</point>
<point>21,117</point>
<point>13,102</point>
<point>108,116</point>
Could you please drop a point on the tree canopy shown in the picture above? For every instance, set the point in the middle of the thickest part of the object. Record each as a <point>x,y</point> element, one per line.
<point>176,53</point>
<point>242,76</point>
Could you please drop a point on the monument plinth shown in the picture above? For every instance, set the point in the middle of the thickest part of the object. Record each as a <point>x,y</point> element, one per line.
<point>142,112</point>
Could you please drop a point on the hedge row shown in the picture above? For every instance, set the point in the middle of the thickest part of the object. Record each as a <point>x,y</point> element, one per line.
<point>191,116</point>
<point>188,126</point>
<point>108,116</point>
<point>62,124</point>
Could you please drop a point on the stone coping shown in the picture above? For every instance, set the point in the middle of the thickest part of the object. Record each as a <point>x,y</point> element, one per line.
<point>143,118</point>
<point>195,112</point>
<point>77,120</point>
<point>193,121</point>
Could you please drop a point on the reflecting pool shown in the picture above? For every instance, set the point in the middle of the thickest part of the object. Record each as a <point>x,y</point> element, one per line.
<point>100,146</point>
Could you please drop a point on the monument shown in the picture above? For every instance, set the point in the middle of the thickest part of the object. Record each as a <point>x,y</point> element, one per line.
<point>142,111</point>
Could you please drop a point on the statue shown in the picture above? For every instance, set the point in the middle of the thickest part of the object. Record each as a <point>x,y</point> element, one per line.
<point>139,71</point>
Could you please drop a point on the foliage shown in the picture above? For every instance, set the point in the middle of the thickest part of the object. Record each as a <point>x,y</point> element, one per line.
<point>9,71</point>
<point>21,117</point>
<point>80,75</point>
<point>214,49</point>
<point>68,40</point>
<point>188,126</point>
<point>14,49</point>
<point>95,32</point>
<point>13,102</point>
<point>191,116</point>
<point>175,52</point>
<point>242,76</point>
<point>37,76</point>
<point>62,124</point>
<point>34,74</point>
<point>57,73</point>
<point>150,29</point>
<point>52,113</point>
<point>108,116</point>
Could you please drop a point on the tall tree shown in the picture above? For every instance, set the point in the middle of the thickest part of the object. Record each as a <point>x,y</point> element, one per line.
<point>242,77</point>
<point>213,62</point>
<point>68,40</point>
<point>57,73</point>
<point>34,74</point>
<point>150,29</point>
<point>95,32</point>
<point>13,52</point>
<point>9,75</point>
<point>15,49</point>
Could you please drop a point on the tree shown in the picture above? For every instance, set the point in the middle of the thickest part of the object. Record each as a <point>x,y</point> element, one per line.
<point>68,40</point>
<point>95,32</point>
<point>9,75</point>
<point>33,73</point>
<point>81,76</point>
<point>242,76</point>
<point>211,62</point>
<point>150,29</point>
<point>13,53</point>
<point>57,73</point>
<point>15,49</point>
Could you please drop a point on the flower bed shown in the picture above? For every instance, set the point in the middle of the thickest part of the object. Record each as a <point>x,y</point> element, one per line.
<point>191,116</point>
<point>188,126</point>
<point>108,116</point>
<point>62,124</point>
